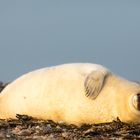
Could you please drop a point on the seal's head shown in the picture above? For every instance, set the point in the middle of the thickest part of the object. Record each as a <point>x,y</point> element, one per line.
<point>128,101</point>
<point>134,104</point>
<point>117,97</point>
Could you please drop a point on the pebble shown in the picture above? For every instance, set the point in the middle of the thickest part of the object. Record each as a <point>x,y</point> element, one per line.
<point>24,132</point>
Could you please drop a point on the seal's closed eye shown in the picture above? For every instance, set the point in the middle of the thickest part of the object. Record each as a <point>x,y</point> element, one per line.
<point>94,83</point>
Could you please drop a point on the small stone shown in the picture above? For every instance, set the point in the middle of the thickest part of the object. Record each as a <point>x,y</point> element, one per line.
<point>65,135</point>
<point>16,130</point>
<point>25,132</point>
<point>8,136</point>
<point>47,129</point>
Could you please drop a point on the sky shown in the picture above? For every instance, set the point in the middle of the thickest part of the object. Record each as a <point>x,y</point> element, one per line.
<point>42,33</point>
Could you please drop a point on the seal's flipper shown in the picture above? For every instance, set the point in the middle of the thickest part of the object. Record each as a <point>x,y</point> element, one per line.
<point>94,83</point>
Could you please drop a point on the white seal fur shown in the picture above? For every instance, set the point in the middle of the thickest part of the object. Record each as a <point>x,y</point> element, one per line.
<point>74,93</point>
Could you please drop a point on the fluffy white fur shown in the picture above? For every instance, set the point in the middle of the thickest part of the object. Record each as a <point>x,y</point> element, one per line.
<point>58,93</point>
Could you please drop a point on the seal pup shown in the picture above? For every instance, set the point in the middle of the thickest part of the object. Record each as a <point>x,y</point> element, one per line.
<point>74,93</point>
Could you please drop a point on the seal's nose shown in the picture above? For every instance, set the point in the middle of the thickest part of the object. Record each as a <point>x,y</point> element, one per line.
<point>136,101</point>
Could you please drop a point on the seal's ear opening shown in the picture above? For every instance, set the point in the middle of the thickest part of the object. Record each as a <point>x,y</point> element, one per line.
<point>94,83</point>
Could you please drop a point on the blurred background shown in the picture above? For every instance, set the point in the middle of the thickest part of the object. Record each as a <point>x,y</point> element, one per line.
<point>41,33</point>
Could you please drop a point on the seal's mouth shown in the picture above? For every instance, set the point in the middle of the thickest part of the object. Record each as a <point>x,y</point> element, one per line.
<point>136,101</point>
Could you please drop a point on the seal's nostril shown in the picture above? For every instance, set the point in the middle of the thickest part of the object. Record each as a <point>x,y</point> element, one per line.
<point>138,100</point>
<point>138,95</point>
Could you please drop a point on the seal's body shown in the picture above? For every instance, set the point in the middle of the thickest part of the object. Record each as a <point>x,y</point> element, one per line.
<point>73,93</point>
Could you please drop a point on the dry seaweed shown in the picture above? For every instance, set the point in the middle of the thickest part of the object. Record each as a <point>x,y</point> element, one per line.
<point>29,128</point>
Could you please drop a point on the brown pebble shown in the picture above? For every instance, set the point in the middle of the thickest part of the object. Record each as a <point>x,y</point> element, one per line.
<point>25,132</point>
